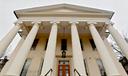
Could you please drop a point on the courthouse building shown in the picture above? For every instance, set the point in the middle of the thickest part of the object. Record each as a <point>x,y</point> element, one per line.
<point>63,40</point>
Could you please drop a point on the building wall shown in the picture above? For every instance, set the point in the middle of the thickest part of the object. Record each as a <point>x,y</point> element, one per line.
<point>38,54</point>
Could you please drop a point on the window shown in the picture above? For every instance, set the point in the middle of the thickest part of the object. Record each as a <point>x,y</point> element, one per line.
<point>92,44</point>
<point>101,67</point>
<point>46,44</point>
<point>25,67</point>
<point>34,44</point>
<point>81,43</point>
<point>64,44</point>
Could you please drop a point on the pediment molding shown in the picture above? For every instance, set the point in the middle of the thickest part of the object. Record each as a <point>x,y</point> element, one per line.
<point>63,10</point>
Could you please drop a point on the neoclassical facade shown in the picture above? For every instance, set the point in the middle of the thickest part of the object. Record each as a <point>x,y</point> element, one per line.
<point>63,40</point>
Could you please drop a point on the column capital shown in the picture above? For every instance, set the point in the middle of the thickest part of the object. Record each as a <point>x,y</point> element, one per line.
<point>73,22</point>
<point>54,22</point>
<point>36,22</point>
<point>109,23</point>
<point>91,22</point>
<point>17,23</point>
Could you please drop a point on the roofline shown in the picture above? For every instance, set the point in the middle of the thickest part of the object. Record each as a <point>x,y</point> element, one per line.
<point>15,14</point>
<point>112,15</point>
<point>63,4</point>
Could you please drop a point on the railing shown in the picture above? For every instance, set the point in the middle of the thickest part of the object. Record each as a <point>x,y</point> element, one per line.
<point>75,70</point>
<point>50,70</point>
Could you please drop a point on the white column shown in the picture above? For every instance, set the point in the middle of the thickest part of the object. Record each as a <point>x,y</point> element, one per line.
<point>18,62</point>
<point>108,62</point>
<point>7,65</point>
<point>77,52</point>
<point>113,55</point>
<point>50,51</point>
<point>119,40</point>
<point>4,43</point>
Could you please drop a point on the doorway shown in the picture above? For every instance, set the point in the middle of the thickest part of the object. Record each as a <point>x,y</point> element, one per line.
<point>63,68</point>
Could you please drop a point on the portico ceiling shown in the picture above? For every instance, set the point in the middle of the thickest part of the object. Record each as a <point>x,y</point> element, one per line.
<point>64,27</point>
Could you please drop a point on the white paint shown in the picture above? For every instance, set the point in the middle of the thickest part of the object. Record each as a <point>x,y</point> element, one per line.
<point>103,52</point>
<point>77,52</point>
<point>20,58</point>
<point>119,40</point>
<point>50,51</point>
<point>7,7</point>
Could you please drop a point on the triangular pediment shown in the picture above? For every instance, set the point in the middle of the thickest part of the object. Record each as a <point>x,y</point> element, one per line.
<point>63,10</point>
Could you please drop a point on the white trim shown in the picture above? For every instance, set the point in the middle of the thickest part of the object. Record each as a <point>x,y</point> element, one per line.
<point>70,19</point>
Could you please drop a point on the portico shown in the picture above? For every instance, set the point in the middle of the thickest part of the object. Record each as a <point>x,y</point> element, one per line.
<point>45,29</point>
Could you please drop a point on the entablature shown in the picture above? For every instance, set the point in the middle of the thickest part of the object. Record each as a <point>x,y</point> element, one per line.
<point>70,19</point>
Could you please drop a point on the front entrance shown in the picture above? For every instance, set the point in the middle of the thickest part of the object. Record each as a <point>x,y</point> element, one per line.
<point>63,68</point>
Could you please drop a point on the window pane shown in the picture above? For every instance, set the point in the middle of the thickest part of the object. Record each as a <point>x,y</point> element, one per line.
<point>63,68</point>
<point>81,43</point>
<point>64,44</point>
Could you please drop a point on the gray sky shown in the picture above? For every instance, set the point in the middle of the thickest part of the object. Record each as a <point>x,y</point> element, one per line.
<point>7,18</point>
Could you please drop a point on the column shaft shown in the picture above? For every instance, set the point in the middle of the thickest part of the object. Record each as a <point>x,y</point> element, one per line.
<point>4,43</point>
<point>7,65</point>
<point>77,52</point>
<point>104,54</point>
<point>119,40</point>
<point>18,62</point>
<point>50,51</point>
<point>113,55</point>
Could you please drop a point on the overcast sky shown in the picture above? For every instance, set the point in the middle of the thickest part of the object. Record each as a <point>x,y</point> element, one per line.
<point>7,17</point>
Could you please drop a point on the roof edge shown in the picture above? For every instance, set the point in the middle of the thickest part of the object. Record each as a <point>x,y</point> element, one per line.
<point>65,5</point>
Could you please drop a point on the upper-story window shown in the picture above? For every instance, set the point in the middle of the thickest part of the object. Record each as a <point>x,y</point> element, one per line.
<point>92,44</point>
<point>34,44</point>
<point>63,44</point>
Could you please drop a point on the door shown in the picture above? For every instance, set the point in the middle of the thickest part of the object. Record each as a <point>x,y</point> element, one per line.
<point>64,68</point>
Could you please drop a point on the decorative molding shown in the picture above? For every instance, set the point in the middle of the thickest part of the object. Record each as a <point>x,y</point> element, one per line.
<point>17,23</point>
<point>64,19</point>
<point>36,22</point>
<point>109,23</point>
<point>73,22</point>
<point>91,22</point>
<point>54,22</point>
